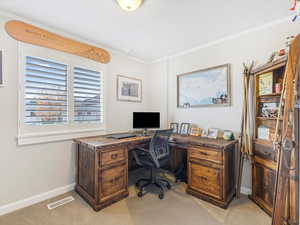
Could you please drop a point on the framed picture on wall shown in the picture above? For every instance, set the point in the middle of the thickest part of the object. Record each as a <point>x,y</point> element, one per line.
<point>1,70</point>
<point>129,89</point>
<point>204,88</point>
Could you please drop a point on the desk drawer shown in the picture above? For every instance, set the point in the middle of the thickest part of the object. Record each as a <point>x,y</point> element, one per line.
<point>205,179</point>
<point>112,182</point>
<point>112,155</point>
<point>206,154</point>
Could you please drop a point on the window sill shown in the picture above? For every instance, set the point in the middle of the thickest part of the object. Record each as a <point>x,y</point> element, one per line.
<point>29,139</point>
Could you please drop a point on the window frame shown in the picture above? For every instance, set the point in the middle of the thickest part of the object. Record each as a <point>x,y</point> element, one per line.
<point>31,134</point>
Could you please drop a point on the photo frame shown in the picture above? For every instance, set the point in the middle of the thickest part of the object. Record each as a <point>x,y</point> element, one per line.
<point>213,133</point>
<point>174,127</point>
<point>129,89</point>
<point>204,88</point>
<point>185,128</point>
<point>195,131</point>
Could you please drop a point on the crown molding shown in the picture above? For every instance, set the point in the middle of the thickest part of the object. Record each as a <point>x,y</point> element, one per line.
<point>76,37</point>
<point>221,40</point>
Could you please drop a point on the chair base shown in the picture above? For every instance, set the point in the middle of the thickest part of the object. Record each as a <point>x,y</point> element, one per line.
<point>153,180</point>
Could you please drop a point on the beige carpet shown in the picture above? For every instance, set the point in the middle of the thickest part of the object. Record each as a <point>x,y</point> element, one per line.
<point>177,208</point>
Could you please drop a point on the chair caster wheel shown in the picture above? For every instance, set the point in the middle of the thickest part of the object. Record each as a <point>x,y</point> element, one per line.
<point>161,196</point>
<point>169,186</point>
<point>140,194</point>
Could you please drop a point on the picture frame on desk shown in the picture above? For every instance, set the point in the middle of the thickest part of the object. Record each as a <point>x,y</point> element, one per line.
<point>174,127</point>
<point>185,129</point>
<point>213,133</point>
<point>195,131</point>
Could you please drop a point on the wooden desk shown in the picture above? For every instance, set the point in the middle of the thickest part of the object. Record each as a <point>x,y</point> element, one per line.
<point>102,168</point>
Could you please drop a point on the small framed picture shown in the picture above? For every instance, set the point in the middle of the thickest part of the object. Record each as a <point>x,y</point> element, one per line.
<point>174,127</point>
<point>213,133</point>
<point>184,128</point>
<point>204,133</point>
<point>195,131</point>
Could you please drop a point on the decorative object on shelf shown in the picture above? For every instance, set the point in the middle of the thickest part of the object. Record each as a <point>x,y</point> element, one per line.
<point>129,5</point>
<point>228,135</point>
<point>263,132</point>
<point>266,84</point>
<point>269,109</point>
<point>195,131</point>
<point>202,88</point>
<point>278,88</point>
<point>174,127</point>
<point>129,89</point>
<point>272,57</point>
<point>185,128</point>
<point>213,133</point>
<point>296,9</point>
<point>34,35</point>
<point>1,70</point>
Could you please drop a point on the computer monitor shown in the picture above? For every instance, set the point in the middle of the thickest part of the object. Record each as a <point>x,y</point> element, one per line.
<point>145,120</point>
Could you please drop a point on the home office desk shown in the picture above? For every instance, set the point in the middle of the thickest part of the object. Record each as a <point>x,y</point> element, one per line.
<point>102,168</point>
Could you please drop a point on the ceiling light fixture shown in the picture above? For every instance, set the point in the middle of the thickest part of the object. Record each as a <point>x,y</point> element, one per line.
<point>129,5</point>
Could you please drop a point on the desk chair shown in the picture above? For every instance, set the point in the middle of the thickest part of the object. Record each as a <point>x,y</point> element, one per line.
<point>153,159</point>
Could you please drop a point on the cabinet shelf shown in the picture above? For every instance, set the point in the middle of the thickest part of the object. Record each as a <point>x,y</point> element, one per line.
<point>266,118</point>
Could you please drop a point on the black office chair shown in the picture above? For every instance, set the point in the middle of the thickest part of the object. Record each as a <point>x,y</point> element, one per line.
<point>154,158</point>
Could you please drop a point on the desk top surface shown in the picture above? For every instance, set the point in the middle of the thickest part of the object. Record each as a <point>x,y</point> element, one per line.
<point>105,141</point>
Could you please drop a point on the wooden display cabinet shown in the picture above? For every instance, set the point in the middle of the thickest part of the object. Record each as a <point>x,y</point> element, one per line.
<point>264,167</point>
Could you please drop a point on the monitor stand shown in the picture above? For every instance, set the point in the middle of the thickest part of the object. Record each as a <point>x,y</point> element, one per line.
<point>145,132</point>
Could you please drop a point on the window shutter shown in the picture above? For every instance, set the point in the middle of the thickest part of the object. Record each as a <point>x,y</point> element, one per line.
<point>45,92</point>
<point>88,95</point>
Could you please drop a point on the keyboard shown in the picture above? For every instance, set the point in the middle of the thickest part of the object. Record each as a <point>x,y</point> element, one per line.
<point>122,136</point>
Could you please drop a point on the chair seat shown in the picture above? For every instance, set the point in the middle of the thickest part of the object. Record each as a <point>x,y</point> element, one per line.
<point>147,161</point>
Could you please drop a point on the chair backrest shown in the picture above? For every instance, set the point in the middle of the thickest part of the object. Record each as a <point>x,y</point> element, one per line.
<point>159,145</point>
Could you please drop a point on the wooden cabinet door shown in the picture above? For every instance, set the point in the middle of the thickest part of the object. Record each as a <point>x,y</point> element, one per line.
<point>205,179</point>
<point>112,182</point>
<point>264,186</point>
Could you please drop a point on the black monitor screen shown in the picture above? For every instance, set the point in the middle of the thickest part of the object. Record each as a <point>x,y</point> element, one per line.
<point>146,120</point>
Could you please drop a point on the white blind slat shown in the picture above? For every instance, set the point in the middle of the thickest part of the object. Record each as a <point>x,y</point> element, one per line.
<point>88,99</point>
<point>45,92</point>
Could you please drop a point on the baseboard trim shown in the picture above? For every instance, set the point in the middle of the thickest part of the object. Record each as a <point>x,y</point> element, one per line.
<point>246,191</point>
<point>35,199</point>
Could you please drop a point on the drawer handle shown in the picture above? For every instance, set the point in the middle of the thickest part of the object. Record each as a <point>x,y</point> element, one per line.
<point>267,153</point>
<point>203,178</point>
<point>114,156</point>
<point>203,153</point>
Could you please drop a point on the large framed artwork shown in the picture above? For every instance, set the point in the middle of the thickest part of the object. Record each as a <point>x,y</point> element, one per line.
<point>203,88</point>
<point>129,89</point>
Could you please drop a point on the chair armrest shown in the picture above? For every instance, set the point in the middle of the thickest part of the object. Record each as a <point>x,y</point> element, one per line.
<point>141,149</point>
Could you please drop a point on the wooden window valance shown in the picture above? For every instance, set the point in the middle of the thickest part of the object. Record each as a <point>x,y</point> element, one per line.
<point>33,35</point>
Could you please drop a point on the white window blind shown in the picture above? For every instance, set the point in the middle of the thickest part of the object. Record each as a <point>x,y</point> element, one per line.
<point>88,95</point>
<point>45,92</point>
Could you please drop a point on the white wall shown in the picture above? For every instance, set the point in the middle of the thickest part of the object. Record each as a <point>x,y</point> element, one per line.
<point>253,45</point>
<point>30,170</point>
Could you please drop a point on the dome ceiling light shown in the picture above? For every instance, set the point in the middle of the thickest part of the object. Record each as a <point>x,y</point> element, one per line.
<point>129,5</point>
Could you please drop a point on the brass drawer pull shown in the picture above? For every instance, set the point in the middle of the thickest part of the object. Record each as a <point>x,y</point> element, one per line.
<point>203,153</point>
<point>203,178</point>
<point>114,156</point>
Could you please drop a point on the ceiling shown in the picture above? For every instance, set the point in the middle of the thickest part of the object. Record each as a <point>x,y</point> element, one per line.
<point>158,28</point>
